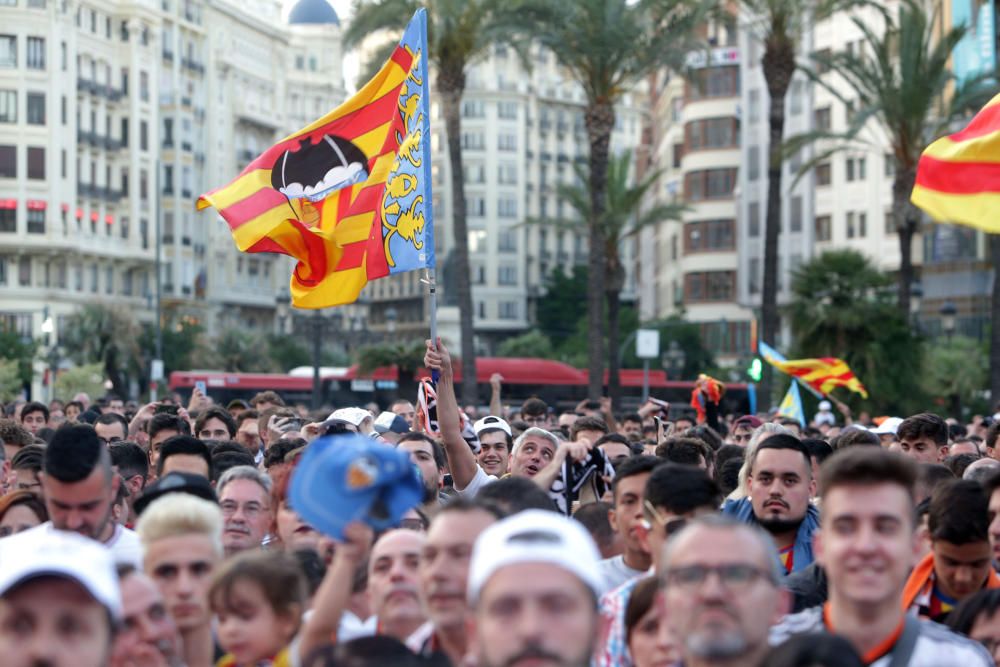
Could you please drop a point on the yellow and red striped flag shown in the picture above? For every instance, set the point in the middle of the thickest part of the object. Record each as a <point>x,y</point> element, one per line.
<point>349,196</point>
<point>958,177</point>
<point>824,374</point>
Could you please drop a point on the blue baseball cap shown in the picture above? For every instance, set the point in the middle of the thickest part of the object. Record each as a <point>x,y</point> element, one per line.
<point>349,477</point>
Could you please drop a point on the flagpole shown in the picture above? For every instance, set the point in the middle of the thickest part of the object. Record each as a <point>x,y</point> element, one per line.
<point>430,255</point>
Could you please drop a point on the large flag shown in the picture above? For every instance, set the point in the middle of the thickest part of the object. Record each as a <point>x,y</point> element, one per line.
<point>349,196</point>
<point>791,405</point>
<point>958,177</point>
<point>824,374</point>
<point>773,357</point>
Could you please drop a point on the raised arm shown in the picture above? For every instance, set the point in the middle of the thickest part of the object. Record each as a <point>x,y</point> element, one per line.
<point>461,460</point>
<point>496,405</point>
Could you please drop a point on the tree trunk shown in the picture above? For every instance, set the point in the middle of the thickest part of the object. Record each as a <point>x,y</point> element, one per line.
<point>451,84</point>
<point>779,65</point>
<point>906,216</point>
<point>995,322</point>
<point>600,120</point>
<point>615,282</point>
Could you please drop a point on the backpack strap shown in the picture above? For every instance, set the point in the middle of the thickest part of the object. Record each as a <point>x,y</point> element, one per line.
<point>903,651</point>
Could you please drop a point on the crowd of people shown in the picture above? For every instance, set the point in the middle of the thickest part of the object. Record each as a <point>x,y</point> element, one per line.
<point>165,535</point>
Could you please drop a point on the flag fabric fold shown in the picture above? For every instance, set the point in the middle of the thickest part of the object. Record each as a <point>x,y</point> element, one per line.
<point>348,196</point>
<point>791,405</point>
<point>823,374</point>
<point>773,357</point>
<point>958,176</point>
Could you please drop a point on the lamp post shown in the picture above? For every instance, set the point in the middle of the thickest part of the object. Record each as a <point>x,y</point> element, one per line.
<point>52,354</point>
<point>948,311</point>
<point>916,296</point>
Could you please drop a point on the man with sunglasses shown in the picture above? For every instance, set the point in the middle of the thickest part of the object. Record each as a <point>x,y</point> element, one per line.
<point>720,592</point>
<point>673,495</point>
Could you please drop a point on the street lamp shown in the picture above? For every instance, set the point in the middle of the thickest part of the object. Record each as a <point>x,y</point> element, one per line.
<point>673,360</point>
<point>282,302</point>
<point>948,312</point>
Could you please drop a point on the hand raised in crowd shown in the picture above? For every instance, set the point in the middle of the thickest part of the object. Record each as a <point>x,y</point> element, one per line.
<point>144,414</point>
<point>312,431</point>
<point>496,381</point>
<point>199,401</point>
<point>438,359</point>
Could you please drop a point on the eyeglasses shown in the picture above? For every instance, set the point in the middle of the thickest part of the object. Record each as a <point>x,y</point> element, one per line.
<point>670,526</point>
<point>229,508</point>
<point>734,576</point>
<point>108,441</point>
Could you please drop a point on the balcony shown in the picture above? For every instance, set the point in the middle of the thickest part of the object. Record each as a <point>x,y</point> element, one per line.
<point>186,146</point>
<point>112,144</point>
<point>113,95</point>
<point>186,194</point>
<point>168,55</point>
<point>168,143</point>
<point>193,65</point>
<point>86,86</point>
<point>186,102</point>
<point>83,190</point>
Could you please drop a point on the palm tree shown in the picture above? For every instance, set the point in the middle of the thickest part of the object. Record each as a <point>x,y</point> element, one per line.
<point>779,25</point>
<point>459,32</point>
<point>608,46</point>
<point>622,217</point>
<point>902,81</point>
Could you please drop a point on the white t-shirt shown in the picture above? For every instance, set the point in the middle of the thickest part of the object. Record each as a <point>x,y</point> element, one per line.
<point>478,482</point>
<point>124,544</point>
<point>616,572</point>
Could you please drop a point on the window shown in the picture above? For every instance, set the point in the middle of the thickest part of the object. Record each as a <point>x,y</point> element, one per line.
<point>24,272</point>
<point>678,155</point>
<point>143,185</point>
<point>823,174</point>
<point>473,109</point>
<point>795,98</point>
<point>125,132</point>
<point>474,173</point>
<point>753,282</point>
<point>851,231</point>
<point>63,56</point>
<point>473,141</point>
<point>8,220</point>
<point>712,133</point>
<point>889,165</point>
<point>507,110</point>
<point>862,164</point>
<point>507,173</point>
<point>36,222</point>
<point>753,102</point>
<point>753,163</point>
<point>709,286</point>
<point>8,51</point>
<point>507,241</point>
<point>753,220</point>
<point>862,225</point>
<point>795,214</point>
<point>507,141</point>
<point>821,118</point>
<point>36,108</point>
<point>709,235</point>
<point>109,280</point>
<point>168,179</point>
<point>168,132</point>
<point>508,310</point>
<point>714,82</point>
<point>36,53</point>
<point>8,106</point>
<point>144,86</point>
<point>93,278</point>
<point>63,163</point>
<point>477,240</point>
<point>507,275</point>
<point>850,169</point>
<point>143,135</point>
<point>63,113</point>
<point>475,206</point>
<point>507,207</point>
<point>300,62</point>
<point>890,222</point>
<point>8,161</point>
<point>710,184</point>
<point>36,163</point>
<point>823,228</point>
<point>820,58</point>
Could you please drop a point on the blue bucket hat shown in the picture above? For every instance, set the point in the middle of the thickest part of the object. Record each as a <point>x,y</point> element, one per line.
<point>345,478</point>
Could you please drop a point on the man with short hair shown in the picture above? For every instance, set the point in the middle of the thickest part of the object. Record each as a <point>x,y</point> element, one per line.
<point>248,434</point>
<point>428,456</point>
<point>215,424</point>
<point>184,453</point>
<point>924,438</point>
<point>113,404</point>
<point>781,484</point>
<point>59,601</point>
<point>132,464</point>
<point>629,494</point>
<point>404,409</point>
<point>245,499</point>
<point>615,446</point>
<point>162,427</point>
<point>535,412</point>
<point>867,545</point>
<point>394,583</point>
<point>589,429</point>
<point>960,561</point>
<point>73,411</point>
<point>674,494</point>
<point>533,583</point>
<point>182,542</point>
<point>26,469</point>
<point>444,573</point>
<point>111,427</point>
<point>80,488</point>
<point>14,437</point>
<point>34,417</point>
<point>743,429</point>
<point>630,426</point>
<point>266,399</point>
<point>495,444</point>
<point>722,587</point>
<point>148,634</point>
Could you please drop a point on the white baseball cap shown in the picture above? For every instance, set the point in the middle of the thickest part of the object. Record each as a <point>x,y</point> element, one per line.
<point>350,415</point>
<point>535,536</point>
<point>824,406</point>
<point>888,426</point>
<point>491,422</point>
<point>45,551</point>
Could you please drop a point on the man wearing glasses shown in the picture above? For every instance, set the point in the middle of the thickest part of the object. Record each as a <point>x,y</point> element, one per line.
<point>720,583</point>
<point>111,427</point>
<point>244,496</point>
<point>674,494</point>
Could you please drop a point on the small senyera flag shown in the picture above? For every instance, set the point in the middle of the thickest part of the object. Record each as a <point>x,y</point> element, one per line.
<point>958,177</point>
<point>824,374</point>
<point>349,196</point>
<point>791,405</point>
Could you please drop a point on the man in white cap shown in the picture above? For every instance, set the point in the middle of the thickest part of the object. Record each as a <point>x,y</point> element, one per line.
<point>359,418</point>
<point>825,414</point>
<point>886,431</point>
<point>533,585</point>
<point>59,600</point>
<point>495,443</point>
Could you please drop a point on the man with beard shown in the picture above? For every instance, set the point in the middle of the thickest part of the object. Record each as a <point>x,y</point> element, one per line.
<point>80,487</point>
<point>59,601</point>
<point>720,592</point>
<point>182,539</point>
<point>394,583</point>
<point>444,573</point>
<point>533,583</point>
<point>867,545</point>
<point>781,484</point>
<point>245,499</point>
<point>147,636</point>
<point>427,455</point>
